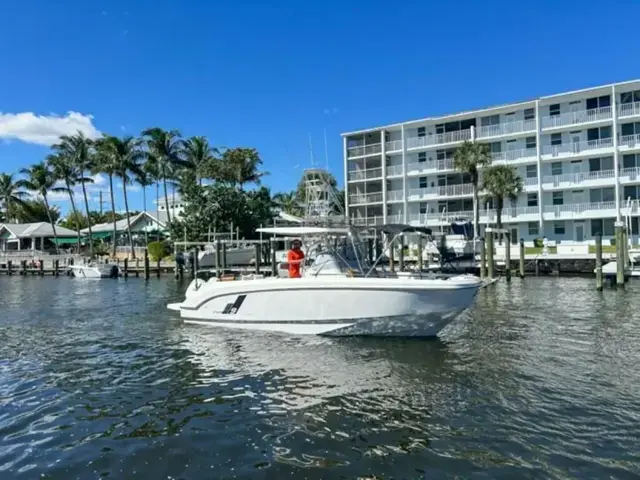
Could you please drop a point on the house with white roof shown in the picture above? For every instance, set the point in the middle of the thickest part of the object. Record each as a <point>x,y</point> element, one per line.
<point>33,236</point>
<point>141,224</point>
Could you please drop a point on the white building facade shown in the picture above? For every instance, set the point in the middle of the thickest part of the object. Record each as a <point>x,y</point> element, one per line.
<point>578,154</point>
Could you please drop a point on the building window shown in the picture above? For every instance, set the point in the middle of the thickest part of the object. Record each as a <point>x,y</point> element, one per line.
<point>422,131</point>
<point>534,228</point>
<point>629,161</point>
<point>490,120</point>
<point>554,109</point>
<point>423,208</point>
<point>556,139</point>
<point>556,168</point>
<point>529,113</point>
<point>630,97</point>
<point>423,182</point>
<point>598,133</point>
<point>630,129</point>
<point>441,154</point>
<point>440,128</point>
<point>532,199</point>
<point>605,227</point>
<point>422,157</point>
<point>530,142</point>
<point>508,117</point>
<point>558,228</point>
<point>558,198</point>
<point>532,171</point>
<point>630,191</point>
<point>495,147</point>
<point>598,102</point>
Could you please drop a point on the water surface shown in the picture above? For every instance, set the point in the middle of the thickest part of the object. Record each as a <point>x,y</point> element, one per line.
<point>541,379</point>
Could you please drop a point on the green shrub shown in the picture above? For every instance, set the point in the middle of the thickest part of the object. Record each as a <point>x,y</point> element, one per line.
<point>158,250</point>
<point>537,242</point>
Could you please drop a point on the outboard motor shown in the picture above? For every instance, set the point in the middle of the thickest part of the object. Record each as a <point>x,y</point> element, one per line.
<point>114,271</point>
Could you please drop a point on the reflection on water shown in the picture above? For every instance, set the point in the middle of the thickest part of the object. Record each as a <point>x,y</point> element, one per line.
<point>539,380</point>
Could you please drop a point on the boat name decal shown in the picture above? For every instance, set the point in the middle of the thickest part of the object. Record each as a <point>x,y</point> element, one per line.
<point>232,308</point>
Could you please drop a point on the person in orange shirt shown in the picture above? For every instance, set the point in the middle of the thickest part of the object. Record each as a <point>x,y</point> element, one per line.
<point>295,257</point>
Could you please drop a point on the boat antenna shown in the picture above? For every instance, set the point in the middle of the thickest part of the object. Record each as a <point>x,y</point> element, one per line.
<point>326,151</point>
<point>313,163</point>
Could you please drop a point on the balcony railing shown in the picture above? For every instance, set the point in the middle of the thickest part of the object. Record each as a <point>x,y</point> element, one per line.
<point>398,218</point>
<point>629,109</point>
<point>576,148</point>
<point>439,138</point>
<point>363,150</point>
<point>507,128</point>
<point>518,211</point>
<point>571,210</point>
<point>571,178</point>
<point>438,165</point>
<point>365,174</point>
<point>393,146</point>
<point>573,118</point>
<point>394,170</point>
<point>630,140</point>
<point>530,181</point>
<point>514,155</point>
<point>356,199</point>
<point>368,221</point>
<point>395,195</point>
<point>442,191</point>
<point>420,218</point>
<point>632,173</point>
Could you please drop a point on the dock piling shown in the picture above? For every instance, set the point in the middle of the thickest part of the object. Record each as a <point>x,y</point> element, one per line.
<point>274,263</point>
<point>420,261</point>
<point>401,254</point>
<point>158,268</point>
<point>224,256</point>
<point>258,247</point>
<point>370,250</point>
<point>56,267</point>
<point>23,265</point>
<point>9,272</point>
<point>146,264</point>
<point>392,266</point>
<point>193,264</point>
<point>521,258</point>
<point>620,254</point>
<point>490,262</point>
<point>41,268</point>
<point>507,256</point>
<point>483,258</point>
<point>599,280</point>
<point>125,268</point>
<point>196,263</point>
<point>218,258</point>
<point>137,267</point>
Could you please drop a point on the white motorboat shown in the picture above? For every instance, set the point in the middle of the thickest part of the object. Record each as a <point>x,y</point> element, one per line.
<point>95,270</point>
<point>339,294</point>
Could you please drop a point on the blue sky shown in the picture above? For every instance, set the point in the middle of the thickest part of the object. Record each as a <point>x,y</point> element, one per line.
<point>266,74</point>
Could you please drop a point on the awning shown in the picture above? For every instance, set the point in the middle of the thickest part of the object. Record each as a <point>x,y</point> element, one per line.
<point>100,235</point>
<point>65,241</point>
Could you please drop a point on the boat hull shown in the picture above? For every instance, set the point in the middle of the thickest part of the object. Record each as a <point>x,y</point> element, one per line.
<point>100,271</point>
<point>323,307</point>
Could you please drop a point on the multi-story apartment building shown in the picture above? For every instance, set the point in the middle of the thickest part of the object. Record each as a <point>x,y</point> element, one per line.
<point>578,154</point>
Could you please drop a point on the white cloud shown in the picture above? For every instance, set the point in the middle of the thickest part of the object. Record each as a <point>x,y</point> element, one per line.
<point>45,129</point>
<point>131,187</point>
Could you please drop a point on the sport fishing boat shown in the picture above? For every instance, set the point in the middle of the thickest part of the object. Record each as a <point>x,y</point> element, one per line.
<point>341,293</point>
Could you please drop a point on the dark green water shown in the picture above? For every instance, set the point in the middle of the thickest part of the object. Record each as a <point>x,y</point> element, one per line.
<point>540,380</point>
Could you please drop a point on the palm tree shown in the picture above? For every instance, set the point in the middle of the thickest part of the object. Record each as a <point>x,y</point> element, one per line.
<point>469,158</point>
<point>104,162</point>
<point>11,195</point>
<point>165,152</point>
<point>288,203</point>
<point>65,170</point>
<point>35,211</point>
<point>242,165</point>
<point>144,177</point>
<point>41,180</point>
<point>78,150</point>
<point>500,182</point>
<point>199,157</point>
<point>126,155</point>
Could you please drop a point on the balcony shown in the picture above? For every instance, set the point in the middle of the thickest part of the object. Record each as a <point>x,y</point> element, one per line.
<point>530,182</point>
<point>395,196</point>
<point>359,175</point>
<point>439,139</point>
<point>576,118</point>
<point>419,219</point>
<point>507,128</point>
<point>394,170</point>
<point>566,180</point>
<point>462,189</point>
<point>628,110</point>
<point>630,175</point>
<point>579,210</point>
<point>368,221</point>
<point>397,218</point>
<point>629,142</point>
<point>514,156</point>
<point>432,166</point>
<point>361,198</point>
<point>577,148</point>
<point>361,151</point>
<point>393,146</point>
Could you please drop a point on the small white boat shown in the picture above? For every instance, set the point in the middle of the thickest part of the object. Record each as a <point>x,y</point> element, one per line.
<point>95,270</point>
<point>339,294</point>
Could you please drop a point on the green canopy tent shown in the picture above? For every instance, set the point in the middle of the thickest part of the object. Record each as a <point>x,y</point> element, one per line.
<point>64,241</point>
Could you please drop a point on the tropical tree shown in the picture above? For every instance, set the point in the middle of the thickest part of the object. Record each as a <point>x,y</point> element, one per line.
<point>41,180</point>
<point>78,150</point>
<point>199,157</point>
<point>165,152</point>
<point>11,195</point>
<point>500,182</point>
<point>35,211</point>
<point>470,158</point>
<point>126,154</point>
<point>105,162</point>
<point>143,176</point>
<point>65,170</point>
<point>288,203</point>
<point>241,166</point>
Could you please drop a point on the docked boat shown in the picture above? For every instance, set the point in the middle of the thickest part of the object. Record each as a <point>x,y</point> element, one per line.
<point>95,270</point>
<point>240,256</point>
<point>341,293</point>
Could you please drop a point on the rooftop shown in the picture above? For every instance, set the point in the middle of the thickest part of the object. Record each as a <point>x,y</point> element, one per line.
<point>39,229</point>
